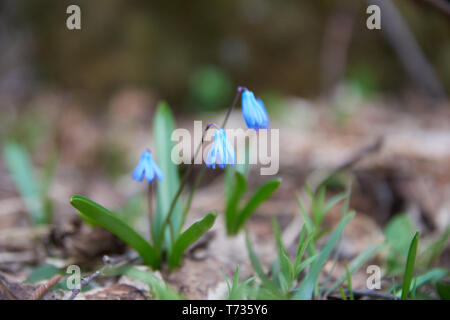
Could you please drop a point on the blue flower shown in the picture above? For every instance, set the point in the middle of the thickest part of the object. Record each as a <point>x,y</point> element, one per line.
<point>254,111</point>
<point>221,151</point>
<point>147,168</point>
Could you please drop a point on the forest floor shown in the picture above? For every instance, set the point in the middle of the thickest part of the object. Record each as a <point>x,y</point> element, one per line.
<point>396,159</point>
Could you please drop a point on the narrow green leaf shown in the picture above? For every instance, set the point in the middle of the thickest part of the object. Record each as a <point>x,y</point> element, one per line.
<point>301,246</point>
<point>443,289</point>
<point>409,269</point>
<point>188,237</point>
<point>108,220</point>
<point>238,189</point>
<point>235,280</point>
<point>356,263</point>
<point>258,268</point>
<point>349,283</point>
<point>226,281</point>
<point>19,165</point>
<point>431,253</point>
<point>398,233</point>
<point>430,276</point>
<point>287,270</point>
<point>261,195</point>
<point>307,220</point>
<point>342,293</point>
<point>42,272</point>
<point>305,263</point>
<point>317,205</point>
<point>163,126</point>
<point>306,288</point>
<point>158,288</point>
<point>334,200</point>
<point>245,167</point>
<point>237,291</point>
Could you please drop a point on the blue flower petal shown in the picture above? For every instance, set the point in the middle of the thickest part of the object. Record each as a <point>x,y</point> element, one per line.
<point>254,111</point>
<point>221,152</point>
<point>138,172</point>
<point>147,168</point>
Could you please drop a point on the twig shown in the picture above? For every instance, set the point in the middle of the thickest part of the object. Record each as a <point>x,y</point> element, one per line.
<point>440,5</point>
<point>108,262</point>
<point>4,288</point>
<point>410,55</point>
<point>336,41</point>
<point>372,147</point>
<point>368,293</point>
<point>85,282</point>
<point>43,289</point>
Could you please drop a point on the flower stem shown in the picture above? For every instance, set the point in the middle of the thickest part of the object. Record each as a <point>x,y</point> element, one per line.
<point>150,206</point>
<point>189,171</point>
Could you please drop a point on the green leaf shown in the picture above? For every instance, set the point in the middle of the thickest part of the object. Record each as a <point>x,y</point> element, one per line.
<point>299,268</point>
<point>163,126</point>
<point>398,232</point>
<point>238,189</point>
<point>108,220</point>
<point>226,281</point>
<point>356,263</point>
<point>349,283</point>
<point>258,268</point>
<point>431,253</point>
<point>234,293</point>
<point>432,276</point>
<point>237,291</point>
<point>334,200</point>
<point>188,237</point>
<point>261,195</point>
<point>443,290</point>
<point>342,293</point>
<point>159,289</point>
<point>317,206</point>
<point>306,288</point>
<point>307,220</point>
<point>287,270</point>
<point>42,272</point>
<point>245,167</point>
<point>302,245</point>
<point>409,269</point>
<point>19,165</point>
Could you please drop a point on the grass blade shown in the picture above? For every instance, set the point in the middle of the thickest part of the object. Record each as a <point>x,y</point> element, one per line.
<point>430,276</point>
<point>409,270</point>
<point>20,167</point>
<point>108,220</point>
<point>188,237</point>
<point>306,288</point>
<point>238,189</point>
<point>342,293</point>
<point>349,283</point>
<point>258,268</point>
<point>356,263</point>
<point>261,195</point>
<point>159,289</point>
<point>163,126</point>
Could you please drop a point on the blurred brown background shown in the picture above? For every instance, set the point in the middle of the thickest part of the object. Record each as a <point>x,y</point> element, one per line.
<point>194,53</point>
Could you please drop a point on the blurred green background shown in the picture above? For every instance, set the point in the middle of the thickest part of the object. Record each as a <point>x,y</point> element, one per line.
<point>194,53</point>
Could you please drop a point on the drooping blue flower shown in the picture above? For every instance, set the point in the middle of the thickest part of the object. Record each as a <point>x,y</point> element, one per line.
<point>147,168</point>
<point>254,111</point>
<point>221,151</point>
